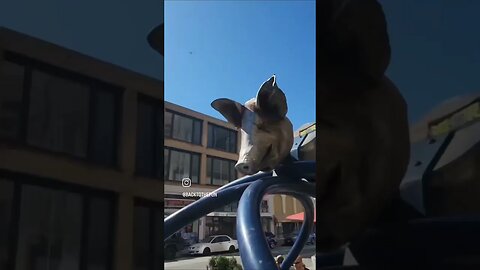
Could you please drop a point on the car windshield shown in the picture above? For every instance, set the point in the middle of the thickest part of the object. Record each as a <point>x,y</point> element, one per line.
<point>208,240</point>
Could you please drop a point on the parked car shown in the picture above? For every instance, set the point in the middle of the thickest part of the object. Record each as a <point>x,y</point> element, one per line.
<point>272,242</point>
<point>214,243</point>
<point>290,238</point>
<point>172,245</point>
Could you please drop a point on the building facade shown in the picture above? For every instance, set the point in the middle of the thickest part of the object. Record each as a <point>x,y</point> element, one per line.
<point>70,191</point>
<point>83,180</point>
<point>284,206</point>
<point>204,150</point>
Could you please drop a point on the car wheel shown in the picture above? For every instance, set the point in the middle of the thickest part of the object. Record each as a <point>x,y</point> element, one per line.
<point>206,251</point>
<point>170,253</point>
<point>231,249</point>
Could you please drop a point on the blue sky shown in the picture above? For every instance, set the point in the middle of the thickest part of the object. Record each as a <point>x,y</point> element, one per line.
<point>114,31</point>
<point>236,45</point>
<point>217,49</point>
<point>435,50</point>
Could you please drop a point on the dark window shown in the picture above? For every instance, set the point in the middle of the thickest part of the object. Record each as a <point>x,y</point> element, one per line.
<point>183,128</point>
<point>181,164</point>
<point>230,207</point>
<point>104,125</point>
<point>264,206</point>
<point>45,228</point>
<point>197,132</point>
<point>54,228</point>
<point>221,225</point>
<point>222,138</point>
<point>148,237</point>
<point>149,161</point>
<point>220,171</point>
<point>168,123</point>
<point>49,230</point>
<point>141,242</point>
<point>11,89</point>
<point>57,110</point>
<point>6,201</point>
<point>222,239</point>
<point>166,152</point>
<point>58,114</point>
<point>100,224</point>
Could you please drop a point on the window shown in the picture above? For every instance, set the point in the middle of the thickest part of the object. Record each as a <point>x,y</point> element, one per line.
<point>58,114</point>
<point>149,160</point>
<point>148,237</point>
<point>11,85</point>
<point>102,141</point>
<point>54,228</point>
<point>168,123</point>
<point>183,128</point>
<point>49,230</point>
<point>141,243</point>
<point>217,240</point>
<point>100,224</point>
<point>6,201</point>
<point>264,206</point>
<point>220,171</point>
<point>222,138</point>
<point>221,225</point>
<point>56,110</point>
<point>181,164</point>
<point>230,207</point>
<point>223,239</point>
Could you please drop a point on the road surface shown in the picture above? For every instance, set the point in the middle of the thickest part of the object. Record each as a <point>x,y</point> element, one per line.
<point>201,262</point>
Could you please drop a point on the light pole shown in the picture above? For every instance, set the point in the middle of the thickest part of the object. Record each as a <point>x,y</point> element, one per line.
<point>156,39</point>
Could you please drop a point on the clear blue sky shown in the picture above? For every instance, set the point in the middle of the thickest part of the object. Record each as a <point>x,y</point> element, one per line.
<point>217,49</point>
<point>435,50</point>
<point>114,31</point>
<point>236,45</point>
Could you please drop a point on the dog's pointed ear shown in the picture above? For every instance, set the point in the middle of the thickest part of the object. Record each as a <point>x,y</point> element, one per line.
<point>231,110</point>
<point>271,100</point>
<point>353,40</point>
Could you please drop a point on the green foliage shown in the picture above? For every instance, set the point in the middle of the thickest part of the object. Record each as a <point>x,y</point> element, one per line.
<point>224,263</point>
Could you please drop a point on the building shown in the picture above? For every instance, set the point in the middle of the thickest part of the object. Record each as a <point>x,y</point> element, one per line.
<point>205,150</point>
<point>82,180</point>
<point>71,193</point>
<point>284,206</point>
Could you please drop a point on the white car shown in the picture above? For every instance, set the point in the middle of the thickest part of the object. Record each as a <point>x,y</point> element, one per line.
<point>214,243</point>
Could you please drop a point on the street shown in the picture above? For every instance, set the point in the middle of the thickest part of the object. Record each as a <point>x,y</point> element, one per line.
<point>187,262</point>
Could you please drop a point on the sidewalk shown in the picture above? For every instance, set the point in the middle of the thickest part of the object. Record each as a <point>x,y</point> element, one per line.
<point>201,263</point>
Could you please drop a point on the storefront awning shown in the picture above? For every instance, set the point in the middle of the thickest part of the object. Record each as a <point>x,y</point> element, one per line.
<point>301,216</point>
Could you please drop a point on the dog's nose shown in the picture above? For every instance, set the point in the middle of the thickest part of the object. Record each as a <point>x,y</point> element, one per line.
<point>243,168</point>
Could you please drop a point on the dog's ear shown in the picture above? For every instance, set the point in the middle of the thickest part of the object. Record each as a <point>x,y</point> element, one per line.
<point>353,41</point>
